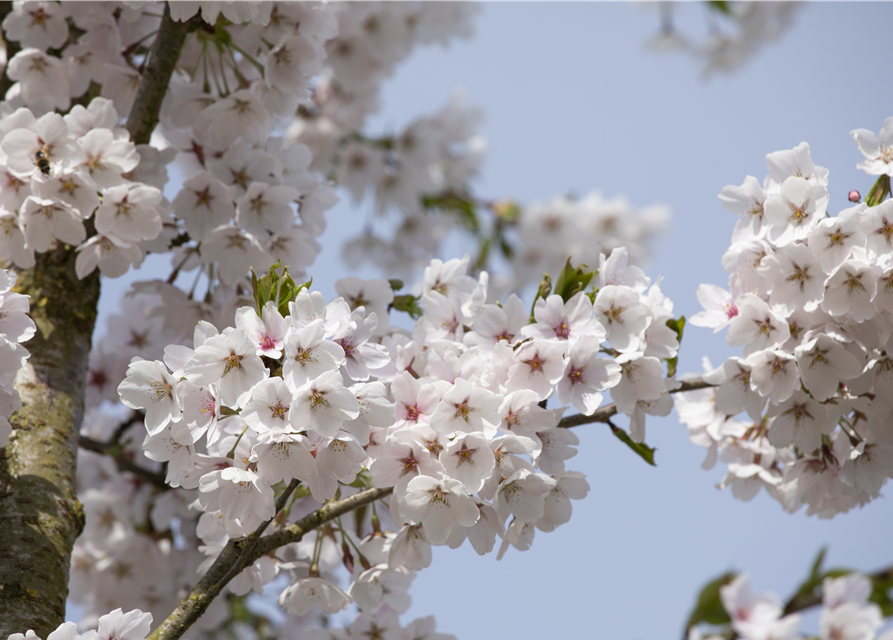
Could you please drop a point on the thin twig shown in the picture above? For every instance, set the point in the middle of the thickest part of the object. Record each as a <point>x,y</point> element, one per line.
<point>605,413</point>
<point>107,448</point>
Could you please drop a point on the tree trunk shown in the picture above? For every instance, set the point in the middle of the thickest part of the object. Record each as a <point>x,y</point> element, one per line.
<point>39,509</point>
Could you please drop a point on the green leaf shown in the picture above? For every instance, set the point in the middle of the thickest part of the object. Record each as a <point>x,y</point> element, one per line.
<point>288,291</point>
<point>708,606</point>
<point>879,191</point>
<point>541,292</point>
<point>814,580</point>
<point>572,281</point>
<point>882,586</point>
<point>408,304</point>
<point>273,287</point>
<point>265,287</point>
<point>464,209</point>
<point>507,250</point>
<point>483,255</point>
<point>720,6</point>
<point>677,326</point>
<point>815,572</point>
<point>640,448</point>
<point>396,284</point>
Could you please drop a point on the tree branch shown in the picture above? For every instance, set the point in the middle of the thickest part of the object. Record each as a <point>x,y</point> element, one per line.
<point>605,413</point>
<point>157,75</point>
<point>39,509</point>
<point>109,449</point>
<point>243,552</point>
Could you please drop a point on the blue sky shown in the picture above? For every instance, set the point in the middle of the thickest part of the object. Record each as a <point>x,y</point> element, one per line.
<point>573,102</point>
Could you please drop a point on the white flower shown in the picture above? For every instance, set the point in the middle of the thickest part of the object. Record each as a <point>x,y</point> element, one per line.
<point>469,460</point>
<point>323,404</point>
<point>131,212</point>
<point>235,492</point>
<point>231,362</point>
<point>267,407</point>
<point>775,374</point>
<point>240,114</point>
<point>523,495</point>
<point>878,150</point>
<point>586,375</point>
<point>121,85</point>
<point>234,250</point>
<point>266,208</point>
<point>284,456</point>
<point>47,135</point>
<point>292,62</point>
<point>40,25</point>
<point>641,379</point>
<point>306,592</point>
<point>150,386</point>
<point>468,408</point>
<point>795,210</point>
<point>69,187</point>
<point>824,363</point>
<point>204,203</point>
<point>852,288</point>
<point>106,157</point>
<point>756,326</point>
<point>308,354</point>
<point>801,420</point>
<point>795,162</point>
<point>539,364</point>
<point>621,311</point>
<point>747,201</point>
<point>566,321</point>
<point>877,225</point>
<point>266,331</point>
<point>43,80</point>
<point>437,504</point>
<point>113,255</point>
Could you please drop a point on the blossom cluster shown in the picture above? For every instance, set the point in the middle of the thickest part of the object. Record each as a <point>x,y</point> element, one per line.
<point>738,31</point>
<point>549,234</point>
<point>15,327</point>
<point>244,187</point>
<point>452,415</point>
<point>60,170</point>
<point>117,625</point>
<point>810,301</point>
<point>847,612</point>
<point>418,176</point>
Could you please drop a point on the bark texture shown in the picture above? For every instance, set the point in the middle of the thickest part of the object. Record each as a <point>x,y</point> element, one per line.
<point>39,510</point>
<point>157,75</point>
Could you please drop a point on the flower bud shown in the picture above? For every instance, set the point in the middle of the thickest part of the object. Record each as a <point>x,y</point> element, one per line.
<point>854,196</point>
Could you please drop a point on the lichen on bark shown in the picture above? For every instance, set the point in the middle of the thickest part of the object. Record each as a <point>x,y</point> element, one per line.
<point>38,505</point>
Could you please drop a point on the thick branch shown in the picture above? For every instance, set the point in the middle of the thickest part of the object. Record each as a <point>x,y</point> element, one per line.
<point>243,552</point>
<point>156,76</point>
<point>605,413</point>
<point>39,510</point>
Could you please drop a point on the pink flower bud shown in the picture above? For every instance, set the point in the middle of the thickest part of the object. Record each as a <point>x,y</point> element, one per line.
<point>854,196</point>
